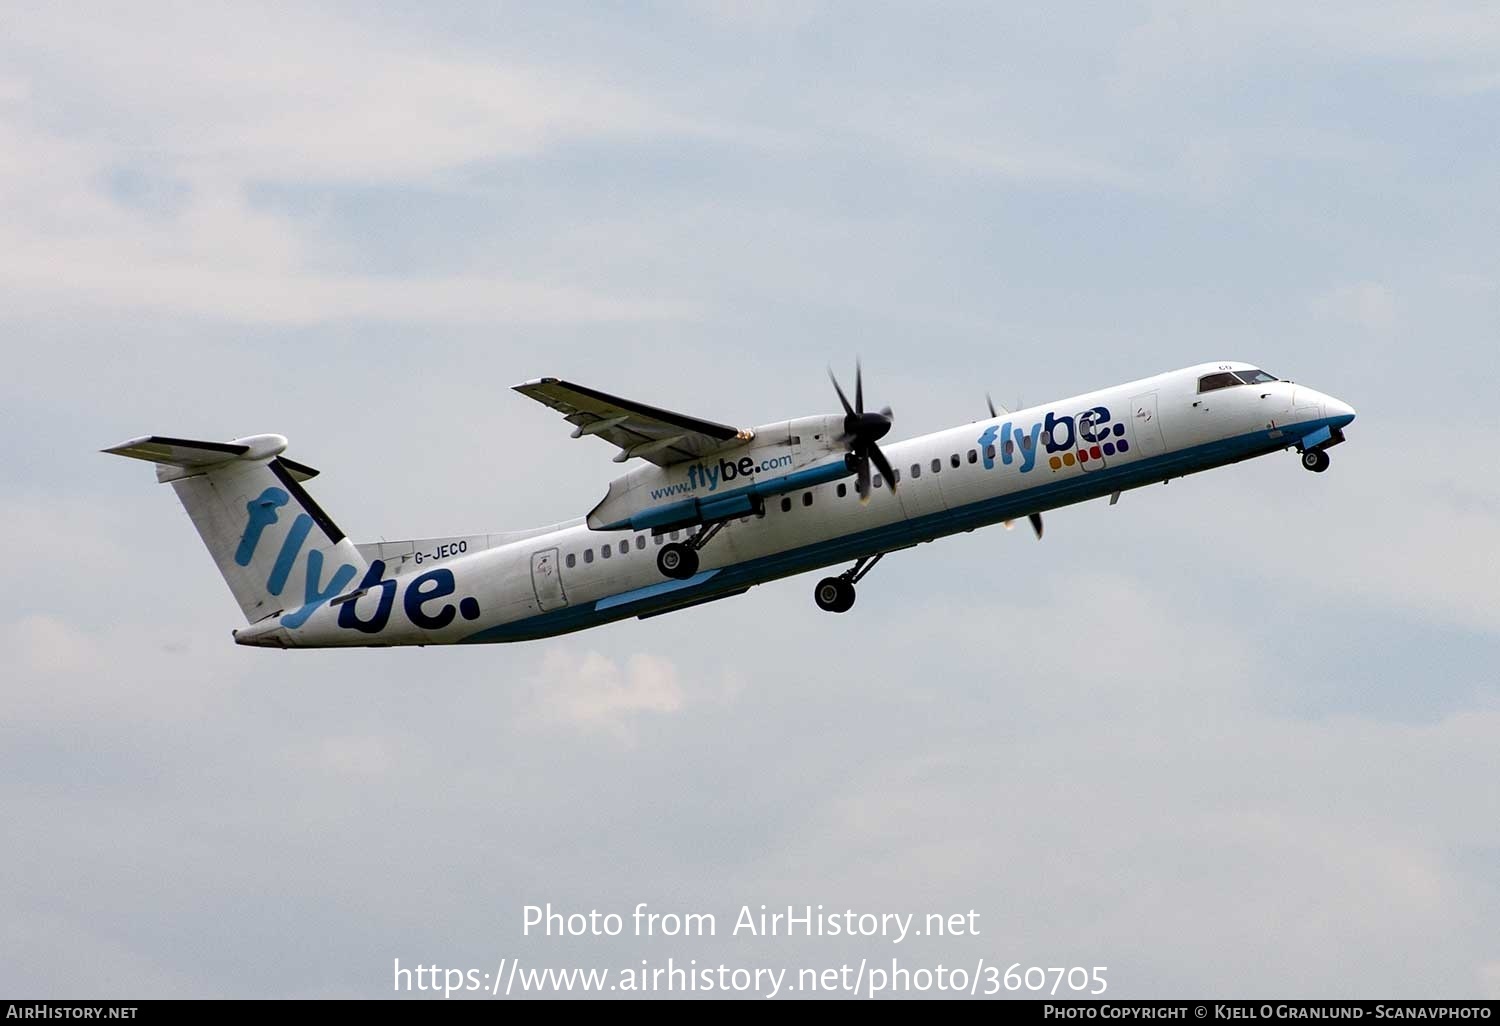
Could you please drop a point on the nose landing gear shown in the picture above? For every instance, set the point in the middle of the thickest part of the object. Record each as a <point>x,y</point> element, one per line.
<point>1315,460</point>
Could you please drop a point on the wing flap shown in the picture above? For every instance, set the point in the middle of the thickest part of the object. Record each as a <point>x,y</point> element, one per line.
<point>638,430</point>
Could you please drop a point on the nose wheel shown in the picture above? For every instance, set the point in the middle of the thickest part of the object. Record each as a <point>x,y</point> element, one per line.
<point>1315,460</point>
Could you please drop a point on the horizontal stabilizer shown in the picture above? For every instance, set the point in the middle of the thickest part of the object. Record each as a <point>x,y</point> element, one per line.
<point>178,452</point>
<point>193,455</point>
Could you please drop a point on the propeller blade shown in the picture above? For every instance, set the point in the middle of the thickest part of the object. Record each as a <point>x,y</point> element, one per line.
<point>842,398</point>
<point>1036,524</point>
<point>1010,525</point>
<point>861,430</point>
<point>991,404</point>
<point>883,464</point>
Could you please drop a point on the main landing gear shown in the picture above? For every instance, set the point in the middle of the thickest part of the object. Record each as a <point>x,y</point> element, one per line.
<point>836,594</point>
<point>679,560</point>
<point>1315,460</point>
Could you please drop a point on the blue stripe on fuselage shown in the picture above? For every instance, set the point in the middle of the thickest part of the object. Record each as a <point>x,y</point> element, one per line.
<point>651,591</point>
<point>903,532</point>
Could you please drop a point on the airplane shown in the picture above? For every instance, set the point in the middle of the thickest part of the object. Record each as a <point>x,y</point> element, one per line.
<point>710,510</point>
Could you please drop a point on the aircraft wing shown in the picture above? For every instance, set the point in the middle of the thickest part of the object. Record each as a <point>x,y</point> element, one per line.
<point>660,436</point>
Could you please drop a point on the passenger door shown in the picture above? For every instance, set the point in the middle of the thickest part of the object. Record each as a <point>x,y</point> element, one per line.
<point>546,580</point>
<point>1145,426</point>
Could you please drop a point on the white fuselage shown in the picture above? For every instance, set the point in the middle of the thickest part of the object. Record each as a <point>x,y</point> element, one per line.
<point>572,577</point>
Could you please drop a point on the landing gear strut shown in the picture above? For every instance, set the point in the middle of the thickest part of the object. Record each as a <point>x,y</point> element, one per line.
<point>836,594</point>
<point>1315,460</point>
<point>679,560</point>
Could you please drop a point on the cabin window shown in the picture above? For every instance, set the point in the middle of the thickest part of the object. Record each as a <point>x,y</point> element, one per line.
<point>1010,447</point>
<point>1210,382</point>
<point>624,546</point>
<point>916,470</point>
<point>786,504</point>
<point>660,540</point>
<point>807,498</point>
<point>572,560</point>
<point>895,475</point>
<point>640,541</point>
<point>973,456</point>
<point>843,489</point>
<point>588,555</point>
<point>604,551</point>
<point>1026,442</point>
<point>989,452</point>
<point>675,535</point>
<point>877,481</point>
<point>1046,437</point>
<point>954,460</point>
<point>937,466</point>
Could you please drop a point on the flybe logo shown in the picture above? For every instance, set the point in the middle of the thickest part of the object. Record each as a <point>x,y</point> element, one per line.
<point>709,476</point>
<point>1066,440</point>
<point>422,603</point>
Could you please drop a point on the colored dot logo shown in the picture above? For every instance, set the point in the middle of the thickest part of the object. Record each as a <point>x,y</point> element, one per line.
<point>1098,451</point>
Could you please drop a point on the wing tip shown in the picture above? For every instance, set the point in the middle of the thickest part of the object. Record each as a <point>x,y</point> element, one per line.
<point>534,382</point>
<point>118,449</point>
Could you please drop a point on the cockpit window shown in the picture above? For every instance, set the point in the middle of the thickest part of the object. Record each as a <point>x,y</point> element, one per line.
<point>1255,377</point>
<point>1209,382</point>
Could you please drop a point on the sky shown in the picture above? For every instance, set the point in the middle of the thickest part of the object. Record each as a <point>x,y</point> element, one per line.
<point>1236,737</point>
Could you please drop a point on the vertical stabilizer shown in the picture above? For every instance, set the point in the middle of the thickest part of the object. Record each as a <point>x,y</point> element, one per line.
<point>278,551</point>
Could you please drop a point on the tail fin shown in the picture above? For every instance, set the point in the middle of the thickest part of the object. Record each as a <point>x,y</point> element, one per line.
<point>278,551</point>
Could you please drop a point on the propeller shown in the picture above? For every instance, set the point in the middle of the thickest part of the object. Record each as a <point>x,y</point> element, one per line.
<point>1036,524</point>
<point>861,431</point>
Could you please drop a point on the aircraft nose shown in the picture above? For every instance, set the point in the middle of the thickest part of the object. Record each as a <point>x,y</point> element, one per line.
<point>1340,412</point>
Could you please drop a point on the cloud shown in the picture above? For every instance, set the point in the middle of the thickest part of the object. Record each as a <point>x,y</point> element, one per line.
<point>1367,304</point>
<point>1177,35</point>
<point>65,675</point>
<point>1468,85</point>
<point>1489,980</point>
<point>301,94</point>
<point>1383,553</point>
<point>590,692</point>
<point>291,98</point>
<point>361,756</point>
<point>1187,736</point>
<point>46,646</point>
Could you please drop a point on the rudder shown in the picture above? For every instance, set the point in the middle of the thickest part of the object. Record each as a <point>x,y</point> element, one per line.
<point>276,548</point>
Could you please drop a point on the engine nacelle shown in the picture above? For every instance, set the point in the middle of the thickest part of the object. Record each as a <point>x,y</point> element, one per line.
<point>732,482</point>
